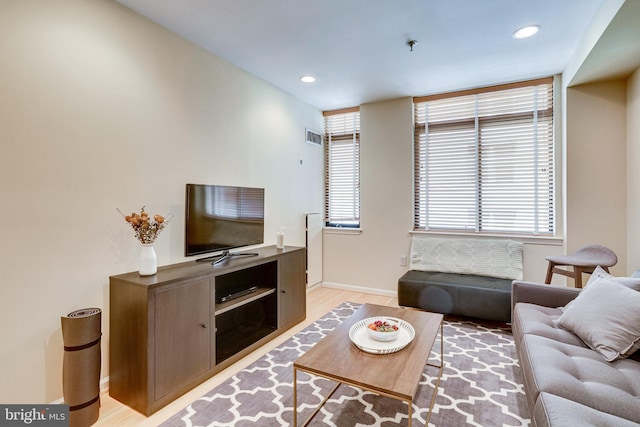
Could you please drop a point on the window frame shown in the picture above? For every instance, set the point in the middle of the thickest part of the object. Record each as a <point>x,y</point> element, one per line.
<point>422,221</point>
<point>347,134</point>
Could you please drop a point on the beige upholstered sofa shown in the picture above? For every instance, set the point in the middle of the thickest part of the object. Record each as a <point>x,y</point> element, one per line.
<point>578,351</point>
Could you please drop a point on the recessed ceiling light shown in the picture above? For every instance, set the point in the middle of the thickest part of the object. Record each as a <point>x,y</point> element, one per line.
<point>308,79</point>
<point>524,32</point>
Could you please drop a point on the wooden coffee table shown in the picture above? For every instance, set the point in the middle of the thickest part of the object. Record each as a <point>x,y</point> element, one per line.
<point>395,375</point>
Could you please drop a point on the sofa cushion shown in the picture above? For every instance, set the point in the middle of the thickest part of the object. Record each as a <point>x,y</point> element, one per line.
<point>606,316</point>
<point>551,410</point>
<point>581,375</point>
<point>481,257</point>
<point>538,320</point>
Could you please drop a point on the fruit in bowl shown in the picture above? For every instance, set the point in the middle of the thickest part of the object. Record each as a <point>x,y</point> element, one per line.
<point>383,330</point>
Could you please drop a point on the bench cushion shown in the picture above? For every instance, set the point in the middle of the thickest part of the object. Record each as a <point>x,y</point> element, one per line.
<point>459,294</point>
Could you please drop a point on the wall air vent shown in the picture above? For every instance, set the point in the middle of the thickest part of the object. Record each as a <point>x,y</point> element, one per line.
<point>313,137</point>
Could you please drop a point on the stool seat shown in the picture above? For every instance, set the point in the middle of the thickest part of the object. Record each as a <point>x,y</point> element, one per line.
<point>584,260</point>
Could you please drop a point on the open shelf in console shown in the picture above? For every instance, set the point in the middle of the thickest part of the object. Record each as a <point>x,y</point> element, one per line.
<point>223,307</point>
<point>237,329</point>
<point>246,308</point>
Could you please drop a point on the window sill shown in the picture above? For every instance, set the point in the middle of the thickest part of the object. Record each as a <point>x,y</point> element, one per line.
<point>524,238</point>
<point>342,230</point>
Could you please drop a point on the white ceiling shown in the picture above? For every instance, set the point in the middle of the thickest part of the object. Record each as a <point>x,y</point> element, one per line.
<point>356,48</point>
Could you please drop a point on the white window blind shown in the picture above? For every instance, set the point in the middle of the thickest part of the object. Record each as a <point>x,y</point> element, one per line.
<point>484,161</point>
<point>342,169</point>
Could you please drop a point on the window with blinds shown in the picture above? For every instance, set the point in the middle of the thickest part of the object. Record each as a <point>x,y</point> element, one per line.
<point>342,169</point>
<point>484,160</point>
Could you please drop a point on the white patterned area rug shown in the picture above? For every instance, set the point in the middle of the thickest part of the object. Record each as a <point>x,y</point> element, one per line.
<point>481,386</point>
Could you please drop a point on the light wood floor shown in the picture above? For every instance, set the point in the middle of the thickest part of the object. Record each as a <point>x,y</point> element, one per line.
<point>319,301</point>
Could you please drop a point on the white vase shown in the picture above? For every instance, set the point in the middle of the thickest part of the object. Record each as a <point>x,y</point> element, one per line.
<point>148,262</point>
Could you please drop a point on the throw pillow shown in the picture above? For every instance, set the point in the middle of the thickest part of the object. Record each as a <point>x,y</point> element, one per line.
<point>606,316</point>
<point>599,273</point>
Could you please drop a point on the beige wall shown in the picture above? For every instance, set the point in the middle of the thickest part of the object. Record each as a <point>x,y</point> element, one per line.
<point>101,109</point>
<point>596,180</point>
<point>633,172</point>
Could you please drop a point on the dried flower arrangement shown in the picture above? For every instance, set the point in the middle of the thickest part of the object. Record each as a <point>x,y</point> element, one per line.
<point>146,230</point>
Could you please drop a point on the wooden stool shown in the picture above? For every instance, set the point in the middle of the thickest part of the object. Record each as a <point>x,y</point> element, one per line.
<point>584,260</point>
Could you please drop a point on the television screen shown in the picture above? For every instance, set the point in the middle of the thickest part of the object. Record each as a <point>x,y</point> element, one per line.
<point>220,217</point>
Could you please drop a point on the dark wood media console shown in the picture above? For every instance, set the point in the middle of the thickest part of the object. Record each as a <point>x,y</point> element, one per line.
<point>168,333</point>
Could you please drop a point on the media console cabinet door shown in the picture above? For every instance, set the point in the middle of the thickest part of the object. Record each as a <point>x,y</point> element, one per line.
<point>292,292</point>
<point>183,338</point>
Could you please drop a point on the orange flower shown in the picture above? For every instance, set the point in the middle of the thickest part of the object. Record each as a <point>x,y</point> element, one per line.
<point>146,231</point>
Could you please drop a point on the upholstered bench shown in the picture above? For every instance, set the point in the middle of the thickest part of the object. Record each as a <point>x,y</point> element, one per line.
<point>466,277</point>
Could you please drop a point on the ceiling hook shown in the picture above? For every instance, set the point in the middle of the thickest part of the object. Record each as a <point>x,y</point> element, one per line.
<point>411,44</point>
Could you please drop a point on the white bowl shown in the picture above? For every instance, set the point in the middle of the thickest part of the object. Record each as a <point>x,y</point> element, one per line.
<point>384,336</point>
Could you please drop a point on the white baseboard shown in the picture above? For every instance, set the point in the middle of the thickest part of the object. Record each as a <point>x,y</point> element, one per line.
<point>317,285</point>
<point>104,388</point>
<point>364,290</point>
<point>104,385</point>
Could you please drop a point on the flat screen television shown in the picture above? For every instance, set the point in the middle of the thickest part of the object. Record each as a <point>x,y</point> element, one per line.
<point>219,218</point>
